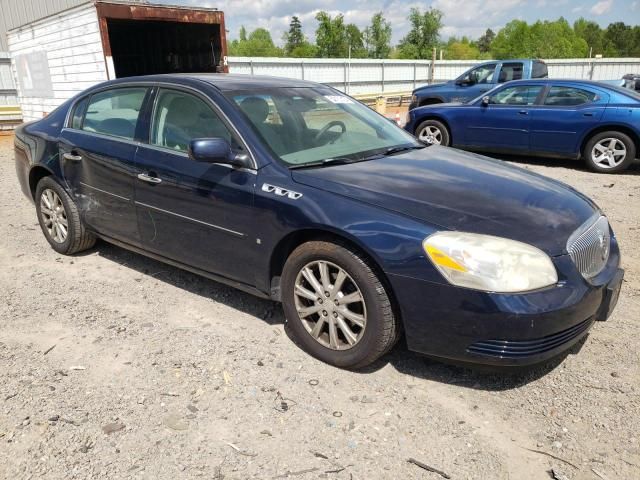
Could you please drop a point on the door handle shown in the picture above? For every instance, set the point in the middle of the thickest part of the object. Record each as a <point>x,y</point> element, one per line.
<point>72,156</point>
<point>523,112</point>
<point>146,178</point>
<point>587,114</point>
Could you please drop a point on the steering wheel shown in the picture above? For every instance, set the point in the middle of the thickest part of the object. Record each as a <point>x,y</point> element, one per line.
<point>323,131</point>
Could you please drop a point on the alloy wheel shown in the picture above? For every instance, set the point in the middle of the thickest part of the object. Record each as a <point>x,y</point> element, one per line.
<point>53,215</point>
<point>430,135</point>
<point>330,305</point>
<point>609,153</point>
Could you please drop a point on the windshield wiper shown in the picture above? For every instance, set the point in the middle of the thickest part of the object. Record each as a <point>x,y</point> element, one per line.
<point>323,163</point>
<point>392,150</point>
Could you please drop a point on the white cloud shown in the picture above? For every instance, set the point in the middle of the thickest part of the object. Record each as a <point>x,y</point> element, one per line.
<point>602,7</point>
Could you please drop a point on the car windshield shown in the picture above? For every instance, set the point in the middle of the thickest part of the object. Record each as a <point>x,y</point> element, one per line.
<point>305,126</point>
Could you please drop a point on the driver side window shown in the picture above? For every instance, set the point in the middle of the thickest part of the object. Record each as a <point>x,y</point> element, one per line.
<point>521,95</point>
<point>180,117</point>
<point>482,74</point>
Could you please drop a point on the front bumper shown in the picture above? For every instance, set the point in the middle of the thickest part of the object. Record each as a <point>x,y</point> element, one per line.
<point>471,326</point>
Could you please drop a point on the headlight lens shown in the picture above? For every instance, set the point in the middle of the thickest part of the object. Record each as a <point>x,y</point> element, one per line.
<point>493,264</point>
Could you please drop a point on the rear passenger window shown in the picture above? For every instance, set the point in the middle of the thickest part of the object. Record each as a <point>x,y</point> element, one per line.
<point>114,112</point>
<point>78,113</point>
<point>510,71</point>
<point>568,96</point>
<point>539,70</point>
<point>180,117</point>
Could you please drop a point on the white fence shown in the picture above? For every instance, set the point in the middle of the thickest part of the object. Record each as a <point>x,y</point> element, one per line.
<point>363,76</point>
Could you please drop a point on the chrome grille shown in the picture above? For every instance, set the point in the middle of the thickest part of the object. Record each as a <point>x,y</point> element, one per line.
<point>589,247</point>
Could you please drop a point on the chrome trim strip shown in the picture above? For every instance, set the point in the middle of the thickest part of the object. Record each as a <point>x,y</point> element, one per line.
<point>104,191</point>
<point>104,136</point>
<point>217,227</point>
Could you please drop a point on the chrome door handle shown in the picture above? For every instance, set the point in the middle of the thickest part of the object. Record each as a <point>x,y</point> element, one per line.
<point>523,112</point>
<point>71,156</point>
<point>146,178</point>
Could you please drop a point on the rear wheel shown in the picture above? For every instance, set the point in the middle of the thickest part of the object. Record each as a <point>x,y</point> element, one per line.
<point>433,132</point>
<point>609,152</point>
<point>60,220</point>
<point>336,306</point>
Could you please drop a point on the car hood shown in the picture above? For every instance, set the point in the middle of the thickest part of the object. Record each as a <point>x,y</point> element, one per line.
<point>433,86</point>
<point>456,190</point>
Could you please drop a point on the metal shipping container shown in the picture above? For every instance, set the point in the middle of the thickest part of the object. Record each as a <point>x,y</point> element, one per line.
<point>55,57</point>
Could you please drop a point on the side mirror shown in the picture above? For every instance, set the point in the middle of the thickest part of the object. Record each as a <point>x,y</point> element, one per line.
<point>215,150</point>
<point>486,100</point>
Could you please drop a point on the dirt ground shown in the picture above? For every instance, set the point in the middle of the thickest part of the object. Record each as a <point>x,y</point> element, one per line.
<point>116,366</point>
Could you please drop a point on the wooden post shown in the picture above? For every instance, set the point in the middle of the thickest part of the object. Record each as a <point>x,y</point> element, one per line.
<point>433,66</point>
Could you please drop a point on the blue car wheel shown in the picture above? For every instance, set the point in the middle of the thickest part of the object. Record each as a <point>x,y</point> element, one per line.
<point>433,132</point>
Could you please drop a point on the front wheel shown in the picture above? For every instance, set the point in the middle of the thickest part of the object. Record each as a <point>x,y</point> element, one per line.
<point>337,308</point>
<point>609,152</point>
<point>433,132</point>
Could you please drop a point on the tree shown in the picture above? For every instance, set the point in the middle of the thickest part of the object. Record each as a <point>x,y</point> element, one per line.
<point>463,49</point>
<point>355,41</point>
<point>294,38</point>
<point>623,40</point>
<point>424,33</point>
<point>295,43</point>
<point>257,44</point>
<point>484,42</point>
<point>377,37</point>
<point>331,36</point>
<point>541,40</point>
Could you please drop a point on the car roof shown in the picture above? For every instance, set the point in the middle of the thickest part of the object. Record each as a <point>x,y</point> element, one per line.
<point>222,81</point>
<point>559,81</point>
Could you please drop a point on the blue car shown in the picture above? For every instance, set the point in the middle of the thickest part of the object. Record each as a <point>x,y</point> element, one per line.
<point>592,121</point>
<point>292,191</point>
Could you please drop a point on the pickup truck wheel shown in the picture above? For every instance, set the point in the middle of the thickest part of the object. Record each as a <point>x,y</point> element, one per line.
<point>433,132</point>
<point>60,220</point>
<point>609,152</point>
<point>336,307</point>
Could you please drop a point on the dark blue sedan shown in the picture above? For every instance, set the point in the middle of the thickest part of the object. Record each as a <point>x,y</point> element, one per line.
<point>558,118</point>
<point>292,191</point>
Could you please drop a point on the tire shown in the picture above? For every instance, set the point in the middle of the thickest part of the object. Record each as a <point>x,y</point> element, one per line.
<point>433,132</point>
<point>600,152</point>
<point>381,328</point>
<point>77,237</point>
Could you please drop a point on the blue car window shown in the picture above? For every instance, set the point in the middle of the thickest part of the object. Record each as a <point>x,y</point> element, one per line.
<point>481,74</point>
<point>520,95</point>
<point>568,96</point>
<point>180,117</point>
<point>114,112</point>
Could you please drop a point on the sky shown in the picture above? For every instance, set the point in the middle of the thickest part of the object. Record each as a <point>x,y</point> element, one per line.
<point>461,17</point>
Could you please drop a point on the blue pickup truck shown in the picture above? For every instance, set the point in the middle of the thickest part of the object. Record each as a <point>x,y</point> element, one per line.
<point>477,80</point>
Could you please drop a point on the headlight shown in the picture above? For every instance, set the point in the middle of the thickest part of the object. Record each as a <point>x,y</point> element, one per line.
<point>493,264</point>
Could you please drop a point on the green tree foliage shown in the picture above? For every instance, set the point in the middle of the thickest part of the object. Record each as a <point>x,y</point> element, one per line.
<point>258,44</point>
<point>295,43</point>
<point>355,41</point>
<point>462,49</point>
<point>377,37</point>
<point>294,37</point>
<point>331,36</point>
<point>624,39</point>
<point>424,33</point>
<point>484,42</point>
<point>540,40</point>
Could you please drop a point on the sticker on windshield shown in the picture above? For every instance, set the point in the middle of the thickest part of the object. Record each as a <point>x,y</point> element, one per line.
<point>338,99</point>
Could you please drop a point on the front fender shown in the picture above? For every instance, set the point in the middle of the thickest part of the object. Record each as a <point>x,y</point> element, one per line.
<point>392,240</point>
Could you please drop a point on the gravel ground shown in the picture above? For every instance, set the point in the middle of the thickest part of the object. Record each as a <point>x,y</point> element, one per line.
<point>117,366</point>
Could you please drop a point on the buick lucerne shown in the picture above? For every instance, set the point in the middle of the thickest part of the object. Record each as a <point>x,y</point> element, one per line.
<point>293,191</point>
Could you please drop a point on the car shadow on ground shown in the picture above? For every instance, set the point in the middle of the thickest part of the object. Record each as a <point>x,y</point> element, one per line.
<point>578,165</point>
<point>400,358</point>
